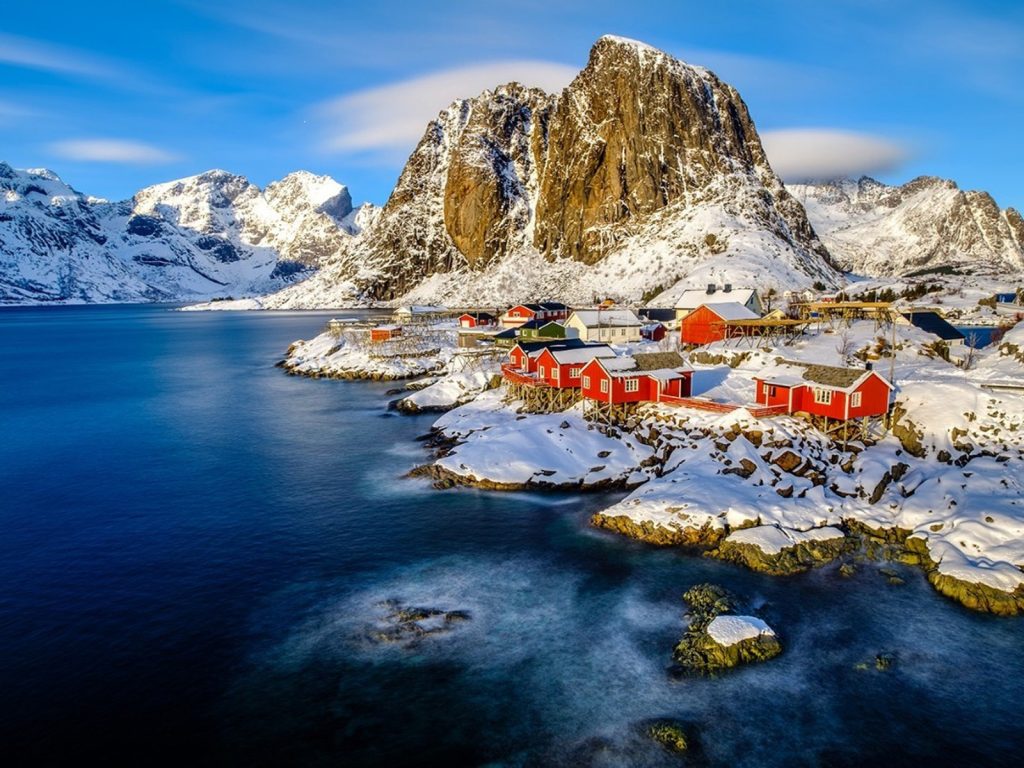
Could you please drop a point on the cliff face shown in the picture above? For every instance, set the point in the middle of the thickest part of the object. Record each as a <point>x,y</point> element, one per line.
<point>644,171</point>
<point>465,196</point>
<point>924,225</point>
<point>635,132</point>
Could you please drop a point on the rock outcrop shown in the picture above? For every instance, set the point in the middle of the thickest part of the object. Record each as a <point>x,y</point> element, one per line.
<point>716,639</point>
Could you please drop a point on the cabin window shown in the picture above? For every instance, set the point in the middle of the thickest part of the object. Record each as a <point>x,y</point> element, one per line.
<point>823,396</point>
<point>542,372</point>
<point>632,385</point>
<point>586,381</point>
<point>574,373</point>
<point>855,399</point>
<point>770,390</point>
<point>604,385</point>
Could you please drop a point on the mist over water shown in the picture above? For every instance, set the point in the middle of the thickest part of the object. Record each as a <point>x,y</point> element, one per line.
<point>199,550</point>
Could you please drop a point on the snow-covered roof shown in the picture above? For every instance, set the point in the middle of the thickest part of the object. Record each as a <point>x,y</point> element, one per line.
<point>666,374</point>
<point>594,318</point>
<point>732,310</point>
<point>583,354</point>
<point>790,373</point>
<point>694,297</point>
<point>621,363</point>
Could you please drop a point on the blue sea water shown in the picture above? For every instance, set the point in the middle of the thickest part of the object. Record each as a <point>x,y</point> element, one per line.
<point>195,548</point>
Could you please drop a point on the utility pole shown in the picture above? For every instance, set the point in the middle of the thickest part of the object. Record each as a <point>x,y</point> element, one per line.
<point>892,349</point>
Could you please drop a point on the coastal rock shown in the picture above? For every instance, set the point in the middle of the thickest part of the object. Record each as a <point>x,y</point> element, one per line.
<point>670,734</point>
<point>443,478</point>
<point>717,640</point>
<point>645,530</point>
<point>781,551</point>
<point>978,597</point>
<point>407,625</point>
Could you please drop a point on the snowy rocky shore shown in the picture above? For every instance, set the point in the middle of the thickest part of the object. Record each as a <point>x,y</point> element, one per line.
<point>941,489</point>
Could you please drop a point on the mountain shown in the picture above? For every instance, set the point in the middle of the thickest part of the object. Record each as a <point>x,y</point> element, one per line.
<point>206,236</point>
<point>925,225</point>
<point>644,176</point>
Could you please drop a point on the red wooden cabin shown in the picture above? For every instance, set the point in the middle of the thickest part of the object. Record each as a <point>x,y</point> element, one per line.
<point>523,313</point>
<point>622,380</point>
<point>710,322</point>
<point>477,320</point>
<point>824,390</point>
<point>563,367</point>
<point>653,332</point>
<point>385,332</point>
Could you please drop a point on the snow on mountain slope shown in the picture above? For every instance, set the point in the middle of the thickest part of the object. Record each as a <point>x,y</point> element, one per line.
<point>644,175</point>
<point>927,224</point>
<point>206,236</point>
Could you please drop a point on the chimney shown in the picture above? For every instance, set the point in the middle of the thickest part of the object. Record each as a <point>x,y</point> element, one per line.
<point>711,288</point>
<point>728,288</point>
<point>869,366</point>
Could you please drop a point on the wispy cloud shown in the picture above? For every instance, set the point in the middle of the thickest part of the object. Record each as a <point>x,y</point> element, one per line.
<point>391,118</point>
<point>814,154</point>
<point>35,54</point>
<point>11,112</point>
<point>122,151</point>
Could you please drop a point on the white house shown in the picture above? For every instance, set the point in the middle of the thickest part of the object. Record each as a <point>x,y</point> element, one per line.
<point>713,294</point>
<point>615,326</point>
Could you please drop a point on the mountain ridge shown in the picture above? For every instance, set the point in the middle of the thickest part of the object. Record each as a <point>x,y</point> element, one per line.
<point>210,235</point>
<point>927,223</point>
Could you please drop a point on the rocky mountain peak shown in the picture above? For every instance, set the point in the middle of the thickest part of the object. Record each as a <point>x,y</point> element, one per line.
<point>638,144</point>
<point>306,189</point>
<point>636,131</point>
<point>212,234</point>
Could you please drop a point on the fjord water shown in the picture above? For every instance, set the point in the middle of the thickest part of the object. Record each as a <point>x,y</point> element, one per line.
<point>194,546</point>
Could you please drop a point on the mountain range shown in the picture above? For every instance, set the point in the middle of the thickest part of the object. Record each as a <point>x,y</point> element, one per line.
<point>207,236</point>
<point>643,177</point>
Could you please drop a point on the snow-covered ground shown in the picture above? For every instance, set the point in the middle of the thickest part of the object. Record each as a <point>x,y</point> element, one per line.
<point>351,354</point>
<point>947,475</point>
<point>498,447</point>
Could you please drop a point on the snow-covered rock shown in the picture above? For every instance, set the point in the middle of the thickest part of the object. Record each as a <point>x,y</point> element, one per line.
<point>730,630</point>
<point>646,174</point>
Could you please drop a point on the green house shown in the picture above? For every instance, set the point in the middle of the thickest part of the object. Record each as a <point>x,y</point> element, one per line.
<point>546,329</point>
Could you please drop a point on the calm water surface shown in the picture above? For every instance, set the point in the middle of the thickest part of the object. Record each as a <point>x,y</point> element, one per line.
<point>195,547</point>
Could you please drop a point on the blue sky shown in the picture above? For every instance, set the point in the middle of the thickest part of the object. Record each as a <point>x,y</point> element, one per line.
<point>117,95</point>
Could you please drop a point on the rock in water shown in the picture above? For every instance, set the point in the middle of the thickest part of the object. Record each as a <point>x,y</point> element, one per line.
<point>716,640</point>
<point>669,734</point>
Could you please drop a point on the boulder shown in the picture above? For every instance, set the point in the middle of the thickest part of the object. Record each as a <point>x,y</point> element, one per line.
<point>716,639</point>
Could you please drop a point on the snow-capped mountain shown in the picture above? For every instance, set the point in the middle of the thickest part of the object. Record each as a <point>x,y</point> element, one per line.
<point>925,225</point>
<point>644,176</point>
<point>206,236</point>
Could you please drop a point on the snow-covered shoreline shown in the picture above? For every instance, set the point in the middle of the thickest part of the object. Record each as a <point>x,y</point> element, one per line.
<point>941,490</point>
<point>939,487</point>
